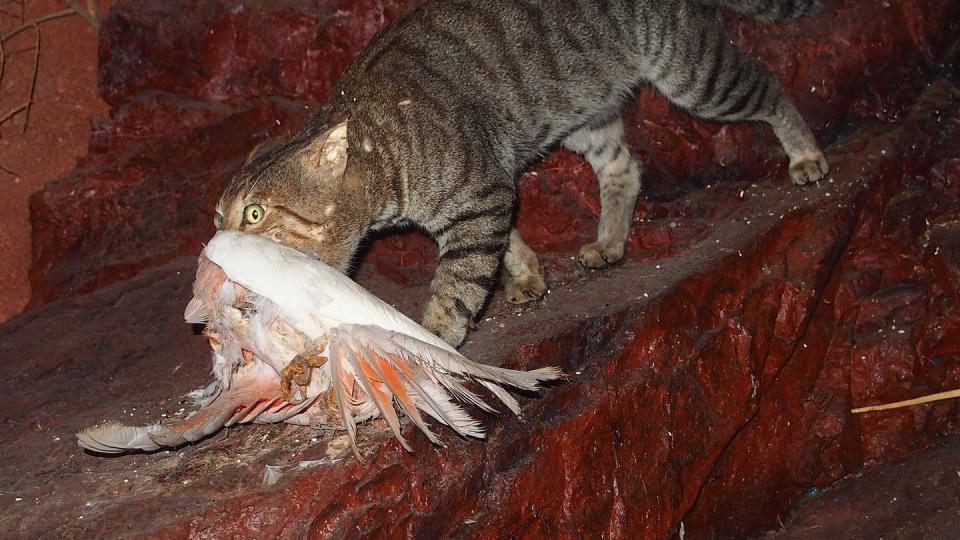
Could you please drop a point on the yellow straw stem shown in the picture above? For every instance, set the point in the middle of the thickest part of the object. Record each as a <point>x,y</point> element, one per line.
<point>907,403</point>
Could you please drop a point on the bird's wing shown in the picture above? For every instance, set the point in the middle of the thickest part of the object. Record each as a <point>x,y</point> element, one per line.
<point>391,367</point>
<point>284,275</point>
<point>254,396</point>
<point>306,289</point>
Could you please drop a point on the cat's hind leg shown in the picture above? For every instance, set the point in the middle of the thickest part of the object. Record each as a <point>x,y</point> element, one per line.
<point>605,148</point>
<point>525,278</point>
<point>705,73</point>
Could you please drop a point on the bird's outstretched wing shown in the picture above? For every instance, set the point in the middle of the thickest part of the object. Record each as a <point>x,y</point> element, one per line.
<point>254,396</point>
<point>368,362</point>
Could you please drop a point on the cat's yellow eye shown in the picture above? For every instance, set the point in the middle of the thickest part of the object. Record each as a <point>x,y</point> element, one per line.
<point>253,213</point>
<point>218,220</point>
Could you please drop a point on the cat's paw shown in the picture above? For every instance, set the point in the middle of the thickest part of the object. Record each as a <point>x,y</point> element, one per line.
<point>445,322</point>
<point>599,255</point>
<point>526,289</point>
<point>809,168</point>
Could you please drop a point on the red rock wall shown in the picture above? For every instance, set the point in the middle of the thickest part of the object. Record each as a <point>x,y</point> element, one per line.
<point>709,389</point>
<point>189,93</point>
<point>884,329</point>
<point>236,50</point>
<point>711,374</point>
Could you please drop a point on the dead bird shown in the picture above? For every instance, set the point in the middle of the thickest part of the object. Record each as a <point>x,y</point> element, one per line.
<point>294,340</point>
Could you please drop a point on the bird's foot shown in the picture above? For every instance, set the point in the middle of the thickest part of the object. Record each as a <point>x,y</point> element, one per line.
<point>299,369</point>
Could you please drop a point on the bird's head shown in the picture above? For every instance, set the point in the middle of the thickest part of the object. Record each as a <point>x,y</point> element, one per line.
<point>297,191</point>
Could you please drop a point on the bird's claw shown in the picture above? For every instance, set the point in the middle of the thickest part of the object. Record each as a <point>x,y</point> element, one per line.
<point>298,372</point>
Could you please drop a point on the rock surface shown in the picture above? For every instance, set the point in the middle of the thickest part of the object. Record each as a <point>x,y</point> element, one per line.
<point>150,197</point>
<point>711,374</point>
<point>65,99</point>
<point>917,498</point>
<point>708,389</point>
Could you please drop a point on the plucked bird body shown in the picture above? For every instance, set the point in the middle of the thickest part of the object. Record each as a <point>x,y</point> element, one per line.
<point>295,340</point>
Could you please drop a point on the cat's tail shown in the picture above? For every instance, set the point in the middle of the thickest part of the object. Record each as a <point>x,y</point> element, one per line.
<point>767,10</point>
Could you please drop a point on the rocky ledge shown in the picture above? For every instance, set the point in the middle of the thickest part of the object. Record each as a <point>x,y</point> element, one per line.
<point>712,373</point>
<point>708,390</point>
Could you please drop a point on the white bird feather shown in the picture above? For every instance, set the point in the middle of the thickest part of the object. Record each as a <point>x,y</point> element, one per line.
<point>265,303</point>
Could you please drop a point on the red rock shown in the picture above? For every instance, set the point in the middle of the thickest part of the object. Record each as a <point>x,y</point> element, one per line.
<point>853,56</point>
<point>151,199</point>
<point>710,389</point>
<point>912,499</point>
<point>712,373</point>
<point>860,348</point>
<point>153,115</point>
<point>227,50</point>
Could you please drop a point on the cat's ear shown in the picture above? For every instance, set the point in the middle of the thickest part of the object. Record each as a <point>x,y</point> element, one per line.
<point>265,146</point>
<point>327,153</point>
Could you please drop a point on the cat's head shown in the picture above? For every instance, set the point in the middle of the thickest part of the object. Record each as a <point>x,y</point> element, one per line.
<point>297,191</point>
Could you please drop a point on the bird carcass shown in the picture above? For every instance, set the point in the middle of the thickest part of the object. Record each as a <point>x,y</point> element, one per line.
<point>294,340</point>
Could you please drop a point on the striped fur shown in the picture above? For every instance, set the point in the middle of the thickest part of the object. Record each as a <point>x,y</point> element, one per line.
<point>447,105</point>
<point>766,10</point>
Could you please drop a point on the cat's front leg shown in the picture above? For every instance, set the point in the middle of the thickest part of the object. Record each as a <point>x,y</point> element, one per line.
<point>472,245</point>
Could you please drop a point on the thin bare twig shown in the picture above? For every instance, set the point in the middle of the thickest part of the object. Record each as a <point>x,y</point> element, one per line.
<point>93,7</point>
<point>19,17</point>
<point>3,59</point>
<point>89,16</point>
<point>36,22</point>
<point>949,394</point>
<point>33,81</point>
<point>13,113</point>
<point>18,51</point>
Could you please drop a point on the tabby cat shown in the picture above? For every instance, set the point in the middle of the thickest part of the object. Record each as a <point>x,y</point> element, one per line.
<point>433,121</point>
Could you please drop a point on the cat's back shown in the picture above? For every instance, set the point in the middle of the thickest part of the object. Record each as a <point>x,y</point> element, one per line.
<point>531,67</point>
